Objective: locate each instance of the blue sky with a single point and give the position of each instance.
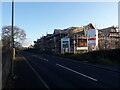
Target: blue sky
(37, 18)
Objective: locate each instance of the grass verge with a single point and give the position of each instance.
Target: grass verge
(111, 56)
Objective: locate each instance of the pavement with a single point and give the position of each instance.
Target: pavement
(46, 71)
(24, 76)
(0, 76)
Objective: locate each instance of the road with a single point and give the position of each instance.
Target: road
(57, 72)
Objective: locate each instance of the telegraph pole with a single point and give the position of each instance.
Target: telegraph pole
(12, 24)
(12, 37)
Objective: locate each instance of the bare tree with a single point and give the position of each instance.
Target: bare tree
(18, 35)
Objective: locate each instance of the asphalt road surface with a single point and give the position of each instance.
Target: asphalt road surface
(57, 72)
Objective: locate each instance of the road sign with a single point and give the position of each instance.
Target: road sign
(92, 39)
(65, 45)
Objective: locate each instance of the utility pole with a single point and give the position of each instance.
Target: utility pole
(12, 37)
(12, 24)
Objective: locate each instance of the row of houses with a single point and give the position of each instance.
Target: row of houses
(77, 40)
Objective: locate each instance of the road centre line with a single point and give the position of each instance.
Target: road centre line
(45, 59)
(36, 73)
(77, 72)
(40, 57)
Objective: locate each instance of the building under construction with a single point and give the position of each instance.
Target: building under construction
(109, 38)
(75, 40)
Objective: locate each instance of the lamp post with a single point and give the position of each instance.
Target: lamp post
(12, 38)
(12, 32)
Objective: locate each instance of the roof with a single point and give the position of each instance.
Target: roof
(109, 29)
(56, 31)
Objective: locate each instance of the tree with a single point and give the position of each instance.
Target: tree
(18, 35)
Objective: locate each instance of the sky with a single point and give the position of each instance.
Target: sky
(39, 18)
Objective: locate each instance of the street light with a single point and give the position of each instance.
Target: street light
(12, 32)
(12, 38)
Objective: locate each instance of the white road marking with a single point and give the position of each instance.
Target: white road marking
(77, 72)
(40, 57)
(45, 59)
(36, 73)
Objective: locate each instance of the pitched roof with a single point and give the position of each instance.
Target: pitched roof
(56, 31)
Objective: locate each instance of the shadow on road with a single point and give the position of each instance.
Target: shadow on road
(24, 76)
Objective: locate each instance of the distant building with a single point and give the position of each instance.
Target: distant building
(31, 46)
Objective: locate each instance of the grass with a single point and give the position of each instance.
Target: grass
(102, 56)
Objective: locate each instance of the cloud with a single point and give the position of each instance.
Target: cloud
(28, 41)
